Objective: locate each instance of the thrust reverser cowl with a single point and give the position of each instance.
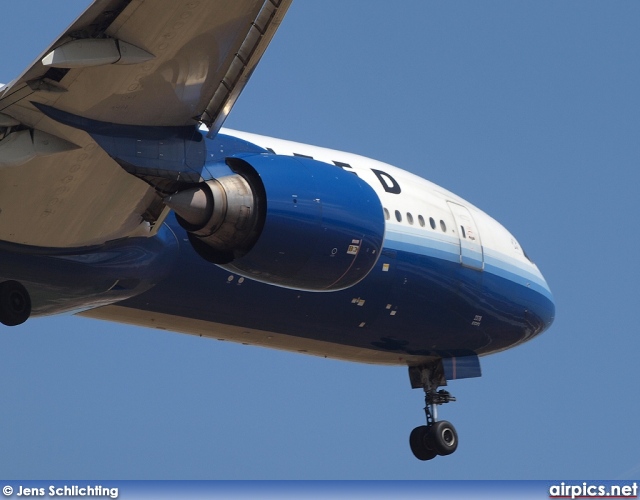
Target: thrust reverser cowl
(287, 221)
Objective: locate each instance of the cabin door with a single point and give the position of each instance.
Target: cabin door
(471, 254)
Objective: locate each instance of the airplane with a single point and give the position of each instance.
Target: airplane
(124, 199)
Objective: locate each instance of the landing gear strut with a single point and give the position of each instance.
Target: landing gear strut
(15, 303)
(437, 437)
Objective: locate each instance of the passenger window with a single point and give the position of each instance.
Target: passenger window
(398, 216)
(410, 218)
(432, 223)
(386, 214)
(421, 220)
(443, 226)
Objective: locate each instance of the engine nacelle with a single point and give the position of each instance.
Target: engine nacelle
(288, 221)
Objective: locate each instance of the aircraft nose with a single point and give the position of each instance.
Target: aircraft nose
(543, 308)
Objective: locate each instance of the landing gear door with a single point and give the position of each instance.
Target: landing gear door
(471, 254)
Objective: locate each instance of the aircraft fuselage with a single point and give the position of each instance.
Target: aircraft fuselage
(450, 281)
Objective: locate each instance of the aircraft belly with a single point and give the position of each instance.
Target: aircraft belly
(409, 309)
(63, 280)
(427, 307)
(248, 336)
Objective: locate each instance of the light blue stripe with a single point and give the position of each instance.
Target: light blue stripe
(421, 249)
(495, 263)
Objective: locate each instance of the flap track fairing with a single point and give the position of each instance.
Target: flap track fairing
(95, 52)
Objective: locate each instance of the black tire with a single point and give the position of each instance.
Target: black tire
(418, 440)
(443, 437)
(15, 303)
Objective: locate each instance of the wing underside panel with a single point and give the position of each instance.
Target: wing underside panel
(177, 63)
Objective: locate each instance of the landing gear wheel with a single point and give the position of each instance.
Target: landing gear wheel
(15, 303)
(437, 437)
(443, 437)
(418, 440)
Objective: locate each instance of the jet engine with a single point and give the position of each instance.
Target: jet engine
(288, 221)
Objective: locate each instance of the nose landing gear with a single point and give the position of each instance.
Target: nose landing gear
(15, 303)
(437, 437)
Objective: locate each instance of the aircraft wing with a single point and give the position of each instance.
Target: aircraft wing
(169, 63)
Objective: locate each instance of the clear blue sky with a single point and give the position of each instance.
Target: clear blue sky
(530, 110)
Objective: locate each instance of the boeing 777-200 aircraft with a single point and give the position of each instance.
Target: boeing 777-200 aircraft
(123, 199)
